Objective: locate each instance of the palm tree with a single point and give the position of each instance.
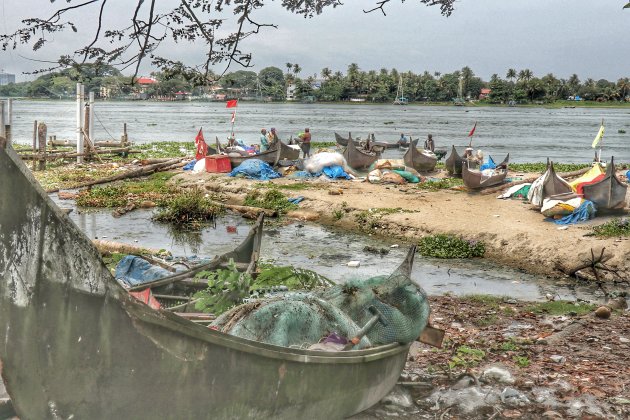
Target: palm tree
(326, 73)
(623, 85)
(525, 75)
(510, 75)
(296, 69)
(289, 67)
(437, 74)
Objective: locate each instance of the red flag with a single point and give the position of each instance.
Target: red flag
(233, 117)
(202, 147)
(232, 103)
(473, 130)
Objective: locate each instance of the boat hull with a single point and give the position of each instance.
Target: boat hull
(76, 344)
(358, 159)
(454, 162)
(419, 161)
(473, 179)
(609, 194)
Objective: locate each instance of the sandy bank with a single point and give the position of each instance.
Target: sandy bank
(515, 233)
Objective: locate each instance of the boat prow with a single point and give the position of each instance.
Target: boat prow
(609, 193)
(75, 344)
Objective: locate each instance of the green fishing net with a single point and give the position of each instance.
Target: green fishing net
(301, 319)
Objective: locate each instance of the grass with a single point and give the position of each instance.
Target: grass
(442, 184)
(189, 209)
(153, 188)
(560, 307)
(613, 228)
(466, 357)
(450, 246)
(271, 199)
(296, 186)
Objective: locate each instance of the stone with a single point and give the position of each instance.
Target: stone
(556, 358)
(618, 303)
(513, 398)
(624, 340)
(603, 312)
(147, 204)
(497, 374)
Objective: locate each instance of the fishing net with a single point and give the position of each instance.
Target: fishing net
(302, 319)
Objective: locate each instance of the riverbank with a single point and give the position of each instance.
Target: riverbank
(514, 233)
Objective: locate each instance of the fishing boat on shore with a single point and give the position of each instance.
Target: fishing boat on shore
(474, 178)
(454, 162)
(358, 158)
(287, 151)
(271, 156)
(76, 344)
(609, 193)
(547, 185)
(421, 161)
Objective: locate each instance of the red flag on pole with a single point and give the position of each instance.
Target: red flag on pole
(473, 130)
(202, 147)
(233, 117)
(232, 103)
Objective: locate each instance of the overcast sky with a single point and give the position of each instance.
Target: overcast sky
(586, 37)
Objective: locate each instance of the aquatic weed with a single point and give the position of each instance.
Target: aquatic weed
(450, 246)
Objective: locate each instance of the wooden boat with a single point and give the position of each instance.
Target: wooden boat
(548, 185)
(609, 193)
(271, 156)
(76, 344)
(473, 178)
(343, 141)
(420, 161)
(454, 162)
(358, 159)
(287, 152)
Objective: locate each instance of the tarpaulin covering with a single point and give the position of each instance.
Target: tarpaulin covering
(588, 177)
(488, 165)
(335, 171)
(255, 169)
(133, 270)
(583, 213)
(146, 297)
(516, 191)
(552, 208)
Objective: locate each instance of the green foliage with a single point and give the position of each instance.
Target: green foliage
(560, 307)
(466, 357)
(613, 228)
(189, 209)
(542, 166)
(154, 189)
(449, 246)
(509, 345)
(338, 214)
(165, 149)
(522, 361)
(292, 277)
(441, 184)
(271, 199)
(226, 288)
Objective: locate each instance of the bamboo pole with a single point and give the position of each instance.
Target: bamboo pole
(34, 143)
(80, 93)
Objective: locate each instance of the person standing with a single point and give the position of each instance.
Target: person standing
(306, 143)
(428, 143)
(272, 138)
(264, 143)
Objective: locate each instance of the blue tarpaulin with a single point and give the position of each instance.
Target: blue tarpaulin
(255, 169)
(335, 172)
(583, 213)
(488, 165)
(190, 165)
(133, 270)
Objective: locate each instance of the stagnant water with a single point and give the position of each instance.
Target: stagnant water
(327, 252)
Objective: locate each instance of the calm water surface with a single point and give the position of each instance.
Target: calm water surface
(528, 134)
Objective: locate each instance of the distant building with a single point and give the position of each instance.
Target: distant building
(485, 92)
(6, 78)
(291, 91)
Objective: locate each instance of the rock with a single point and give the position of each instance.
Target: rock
(310, 216)
(603, 312)
(497, 374)
(556, 358)
(399, 397)
(147, 205)
(335, 192)
(618, 303)
(511, 301)
(624, 340)
(394, 246)
(513, 398)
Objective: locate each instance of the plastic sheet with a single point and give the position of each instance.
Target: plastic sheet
(255, 169)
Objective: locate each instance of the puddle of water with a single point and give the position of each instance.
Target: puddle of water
(327, 252)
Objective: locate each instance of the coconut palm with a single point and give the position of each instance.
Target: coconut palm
(326, 73)
(510, 75)
(525, 75)
(296, 69)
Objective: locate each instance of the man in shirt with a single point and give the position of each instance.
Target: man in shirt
(306, 143)
(264, 144)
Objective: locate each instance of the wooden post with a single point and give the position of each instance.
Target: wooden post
(90, 129)
(80, 93)
(41, 138)
(2, 126)
(9, 122)
(87, 141)
(34, 143)
(124, 140)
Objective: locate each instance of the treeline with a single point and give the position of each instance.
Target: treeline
(519, 86)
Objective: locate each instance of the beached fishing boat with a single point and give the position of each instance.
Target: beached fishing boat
(421, 161)
(286, 151)
(236, 158)
(474, 178)
(76, 344)
(609, 193)
(547, 185)
(454, 162)
(357, 158)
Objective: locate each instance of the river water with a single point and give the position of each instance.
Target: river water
(327, 252)
(528, 134)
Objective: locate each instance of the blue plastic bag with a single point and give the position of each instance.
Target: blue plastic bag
(255, 169)
(335, 172)
(190, 165)
(488, 165)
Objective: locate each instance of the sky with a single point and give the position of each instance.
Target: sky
(560, 36)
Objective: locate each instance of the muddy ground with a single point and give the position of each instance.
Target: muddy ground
(507, 359)
(515, 233)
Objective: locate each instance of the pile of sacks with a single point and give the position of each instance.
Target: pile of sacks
(392, 171)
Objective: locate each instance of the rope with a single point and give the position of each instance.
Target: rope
(102, 125)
